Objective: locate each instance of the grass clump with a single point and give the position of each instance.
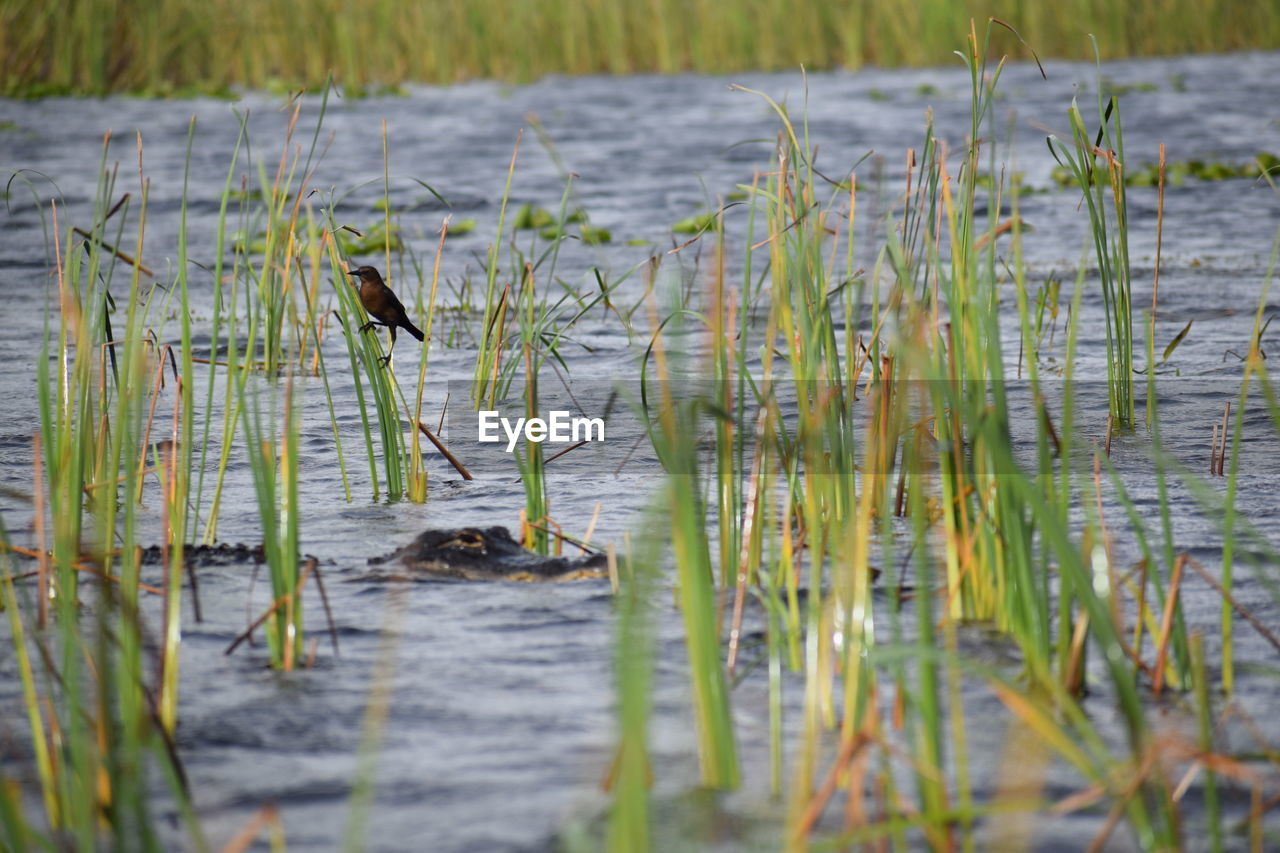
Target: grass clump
(868, 420)
(1087, 156)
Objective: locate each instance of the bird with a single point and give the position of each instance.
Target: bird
(383, 306)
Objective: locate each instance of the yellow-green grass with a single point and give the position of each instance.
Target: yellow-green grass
(176, 46)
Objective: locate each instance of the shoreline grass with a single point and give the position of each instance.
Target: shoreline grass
(182, 47)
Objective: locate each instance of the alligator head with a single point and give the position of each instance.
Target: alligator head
(487, 553)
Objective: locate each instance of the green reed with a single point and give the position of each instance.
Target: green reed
(273, 461)
(365, 354)
(1109, 225)
(1255, 373)
(531, 461)
(1204, 719)
(629, 826)
(525, 325)
(219, 261)
(673, 422)
(119, 437)
(417, 470)
(272, 320)
(176, 46)
(496, 305)
(102, 710)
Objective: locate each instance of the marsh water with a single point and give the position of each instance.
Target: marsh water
(500, 727)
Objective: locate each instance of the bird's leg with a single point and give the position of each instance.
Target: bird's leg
(386, 359)
(367, 326)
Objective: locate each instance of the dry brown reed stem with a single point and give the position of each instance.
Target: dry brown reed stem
(444, 451)
(285, 601)
(560, 453)
(1166, 623)
(612, 561)
(591, 525)
(170, 486)
(1122, 800)
(849, 749)
(1049, 427)
(1001, 229)
(328, 611)
(79, 566)
(151, 414)
(744, 550)
(42, 571)
(256, 364)
(1237, 606)
(1255, 819)
(1079, 800)
(906, 208)
(1222, 448)
(551, 528)
(855, 813)
(938, 837)
(267, 816)
(112, 249)
(1214, 763)
(500, 319)
(863, 356)
(1073, 677)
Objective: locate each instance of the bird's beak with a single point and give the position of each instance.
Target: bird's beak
(353, 272)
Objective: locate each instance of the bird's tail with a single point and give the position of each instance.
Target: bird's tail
(413, 330)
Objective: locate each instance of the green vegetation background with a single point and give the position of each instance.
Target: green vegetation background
(160, 47)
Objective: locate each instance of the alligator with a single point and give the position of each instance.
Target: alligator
(485, 554)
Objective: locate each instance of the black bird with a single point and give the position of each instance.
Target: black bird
(383, 306)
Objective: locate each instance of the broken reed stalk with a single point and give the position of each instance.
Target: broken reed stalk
(445, 452)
